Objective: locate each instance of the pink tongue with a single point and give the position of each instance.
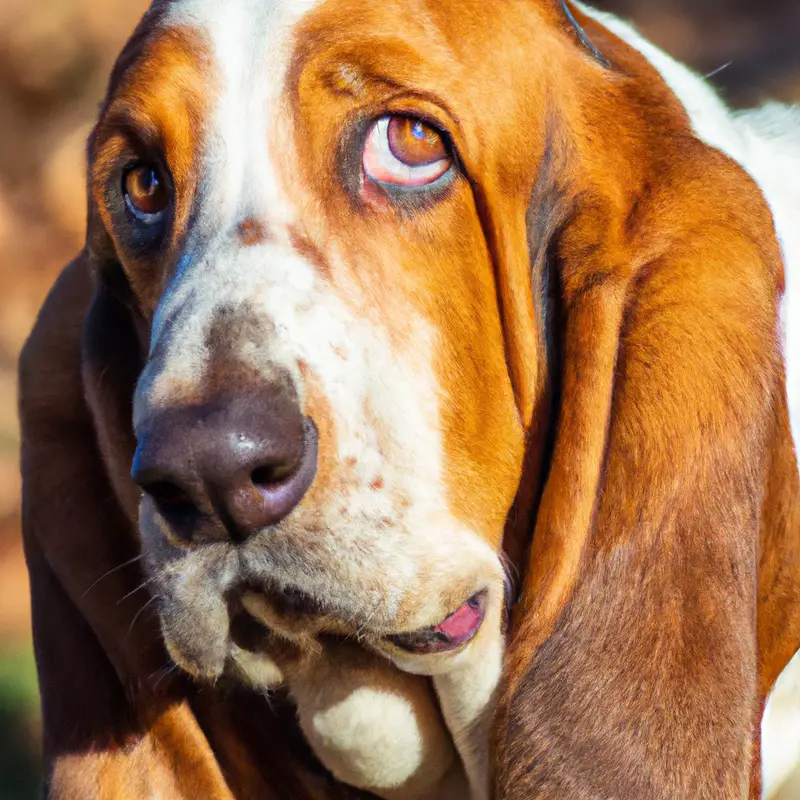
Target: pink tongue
(461, 624)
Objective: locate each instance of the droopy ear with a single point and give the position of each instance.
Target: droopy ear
(74, 516)
(530, 298)
(632, 668)
(113, 724)
(636, 625)
(80, 507)
(80, 547)
(114, 346)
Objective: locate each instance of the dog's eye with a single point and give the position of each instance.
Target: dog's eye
(405, 151)
(147, 191)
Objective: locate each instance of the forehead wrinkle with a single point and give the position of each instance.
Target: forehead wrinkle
(359, 74)
(126, 117)
(363, 61)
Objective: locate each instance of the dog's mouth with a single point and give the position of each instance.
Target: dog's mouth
(453, 632)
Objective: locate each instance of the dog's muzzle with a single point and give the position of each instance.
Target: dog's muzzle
(229, 467)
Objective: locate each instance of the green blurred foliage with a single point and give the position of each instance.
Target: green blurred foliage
(19, 706)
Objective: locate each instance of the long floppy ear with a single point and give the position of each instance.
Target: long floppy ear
(632, 668)
(81, 555)
(73, 389)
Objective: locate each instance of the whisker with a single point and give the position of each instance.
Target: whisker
(360, 631)
(140, 612)
(112, 571)
(165, 673)
(509, 566)
(718, 70)
(137, 589)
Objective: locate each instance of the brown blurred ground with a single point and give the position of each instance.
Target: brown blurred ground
(54, 59)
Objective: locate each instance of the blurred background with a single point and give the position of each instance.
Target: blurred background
(55, 56)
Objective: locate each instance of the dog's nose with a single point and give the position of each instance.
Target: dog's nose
(227, 468)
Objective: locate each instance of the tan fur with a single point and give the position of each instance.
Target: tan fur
(570, 352)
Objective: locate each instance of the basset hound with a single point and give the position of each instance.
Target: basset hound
(382, 303)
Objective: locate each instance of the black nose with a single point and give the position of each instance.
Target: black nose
(227, 468)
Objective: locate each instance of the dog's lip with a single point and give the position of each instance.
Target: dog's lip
(452, 633)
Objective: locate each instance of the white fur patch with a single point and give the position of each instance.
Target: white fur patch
(374, 737)
(772, 137)
(780, 735)
(251, 41)
(367, 726)
(371, 556)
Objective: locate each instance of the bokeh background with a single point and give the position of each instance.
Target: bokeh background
(54, 59)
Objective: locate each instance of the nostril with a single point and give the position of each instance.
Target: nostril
(236, 474)
(271, 474)
(170, 498)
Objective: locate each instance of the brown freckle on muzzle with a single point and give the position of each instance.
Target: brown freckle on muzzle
(317, 407)
(251, 232)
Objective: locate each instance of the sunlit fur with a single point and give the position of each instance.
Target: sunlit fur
(766, 142)
(374, 541)
(582, 318)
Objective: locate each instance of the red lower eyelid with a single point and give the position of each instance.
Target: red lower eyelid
(373, 166)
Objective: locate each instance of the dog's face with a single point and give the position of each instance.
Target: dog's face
(299, 196)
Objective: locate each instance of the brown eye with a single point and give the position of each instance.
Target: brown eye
(415, 143)
(405, 151)
(147, 190)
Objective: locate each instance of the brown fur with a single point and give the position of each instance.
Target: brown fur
(660, 589)
(634, 667)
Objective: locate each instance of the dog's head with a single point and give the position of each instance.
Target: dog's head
(321, 213)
